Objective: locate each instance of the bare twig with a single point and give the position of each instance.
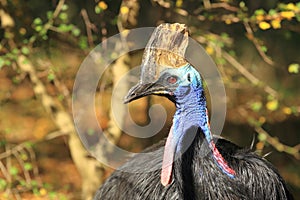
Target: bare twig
(55, 134)
(5, 172)
(163, 3)
(11, 151)
(207, 4)
(248, 75)
(58, 8)
(22, 164)
(35, 168)
(294, 151)
(89, 26)
(254, 40)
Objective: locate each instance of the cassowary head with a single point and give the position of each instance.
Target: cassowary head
(167, 84)
(166, 72)
(164, 67)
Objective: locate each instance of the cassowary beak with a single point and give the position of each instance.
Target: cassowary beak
(144, 89)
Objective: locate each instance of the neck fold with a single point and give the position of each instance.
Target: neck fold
(191, 111)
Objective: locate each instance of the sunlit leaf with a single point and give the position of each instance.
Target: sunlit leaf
(294, 68)
(276, 23)
(209, 50)
(264, 25)
(287, 110)
(259, 17)
(292, 6)
(43, 191)
(287, 14)
(179, 3)
(272, 105)
(102, 5)
(124, 10)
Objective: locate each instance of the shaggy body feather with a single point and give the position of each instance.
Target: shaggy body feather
(199, 178)
(201, 171)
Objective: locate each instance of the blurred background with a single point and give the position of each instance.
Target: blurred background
(255, 45)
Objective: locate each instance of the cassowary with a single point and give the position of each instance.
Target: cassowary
(193, 164)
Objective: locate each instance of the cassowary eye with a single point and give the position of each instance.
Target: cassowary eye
(189, 77)
(172, 79)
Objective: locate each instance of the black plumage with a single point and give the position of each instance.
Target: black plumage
(196, 177)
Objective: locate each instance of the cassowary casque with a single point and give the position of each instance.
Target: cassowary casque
(193, 164)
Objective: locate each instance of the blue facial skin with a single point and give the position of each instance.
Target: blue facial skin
(190, 103)
(191, 107)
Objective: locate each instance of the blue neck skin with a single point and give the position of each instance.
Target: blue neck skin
(191, 111)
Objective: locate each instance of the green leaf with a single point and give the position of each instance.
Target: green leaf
(83, 44)
(60, 97)
(45, 37)
(63, 16)
(49, 14)
(65, 27)
(28, 166)
(37, 21)
(272, 12)
(25, 50)
(264, 48)
(15, 51)
(51, 77)
(298, 17)
(23, 183)
(13, 171)
(3, 184)
(256, 106)
(262, 137)
(38, 28)
(76, 32)
(98, 10)
(7, 62)
(64, 7)
(260, 12)
(29, 144)
(242, 4)
(34, 183)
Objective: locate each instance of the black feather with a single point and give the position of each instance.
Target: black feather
(196, 176)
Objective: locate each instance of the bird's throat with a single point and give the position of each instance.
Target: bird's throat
(191, 111)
